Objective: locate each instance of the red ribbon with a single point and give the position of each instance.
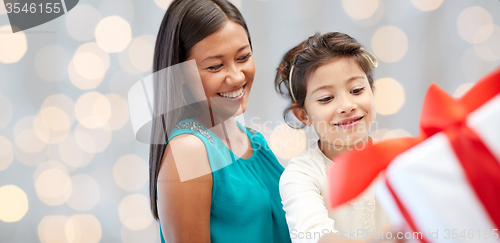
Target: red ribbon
(351, 174)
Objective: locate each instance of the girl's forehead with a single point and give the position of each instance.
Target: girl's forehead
(338, 73)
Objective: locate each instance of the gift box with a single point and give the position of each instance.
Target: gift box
(444, 184)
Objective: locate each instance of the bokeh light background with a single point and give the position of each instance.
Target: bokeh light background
(70, 169)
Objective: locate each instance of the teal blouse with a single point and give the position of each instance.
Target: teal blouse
(246, 204)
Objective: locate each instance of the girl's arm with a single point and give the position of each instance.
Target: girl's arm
(184, 207)
(304, 206)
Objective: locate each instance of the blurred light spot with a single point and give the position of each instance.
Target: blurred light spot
(55, 118)
(89, 65)
(134, 212)
(113, 34)
(13, 203)
(95, 49)
(2, 9)
(93, 110)
(92, 78)
(85, 194)
(51, 229)
(475, 24)
(47, 135)
(82, 30)
(84, 228)
(490, 48)
(122, 8)
(378, 135)
(475, 67)
(236, 3)
(5, 110)
(93, 140)
(426, 5)
(119, 112)
(397, 133)
(31, 159)
(50, 164)
(62, 102)
(12, 46)
(287, 142)
(130, 172)
(462, 89)
(141, 52)
(6, 153)
(53, 186)
(29, 142)
(485, 53)
(374, 18)
(303, 9)
(126, 64)
(360, 9)
(390, 44)
(48, 62)
(81, 82)
(163, 3)
(389, 96)
(72, 154)
(149, 235)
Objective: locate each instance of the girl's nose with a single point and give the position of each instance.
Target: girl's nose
(346, 104)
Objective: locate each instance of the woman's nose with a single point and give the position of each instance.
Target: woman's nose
(235, 75)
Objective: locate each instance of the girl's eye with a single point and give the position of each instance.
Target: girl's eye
(215, 68)
(357, 91)
(244, 57)
(325, 100)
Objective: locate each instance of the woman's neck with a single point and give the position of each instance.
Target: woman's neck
(331, 150)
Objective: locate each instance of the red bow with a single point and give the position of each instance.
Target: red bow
(440, 113)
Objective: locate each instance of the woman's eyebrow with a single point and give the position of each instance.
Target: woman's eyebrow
(219, 56)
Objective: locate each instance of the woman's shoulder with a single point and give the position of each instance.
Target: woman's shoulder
(191, 126)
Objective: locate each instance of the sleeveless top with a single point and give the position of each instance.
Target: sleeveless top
(246, 204)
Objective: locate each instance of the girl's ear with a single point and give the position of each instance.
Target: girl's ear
(301, 114)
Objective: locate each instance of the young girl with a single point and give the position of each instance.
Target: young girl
(328, 79)
(208, 183)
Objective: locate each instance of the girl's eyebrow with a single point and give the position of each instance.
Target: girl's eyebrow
(219, 56)
(330, 86)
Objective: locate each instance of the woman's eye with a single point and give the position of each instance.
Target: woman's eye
(326, 99)
(357, 91)
(244, 57)
(215, 68)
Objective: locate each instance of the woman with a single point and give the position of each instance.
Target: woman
(213, 180)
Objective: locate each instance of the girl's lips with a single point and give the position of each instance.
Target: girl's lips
(349, 123)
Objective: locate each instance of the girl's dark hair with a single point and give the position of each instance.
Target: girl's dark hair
(185, 23)
(309, 55)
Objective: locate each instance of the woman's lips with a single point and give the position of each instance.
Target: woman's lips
(239, 97)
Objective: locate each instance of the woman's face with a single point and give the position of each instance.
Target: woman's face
(340, 102)
(226, 67)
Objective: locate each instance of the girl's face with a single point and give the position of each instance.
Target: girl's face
(226, 67)
(339, 103)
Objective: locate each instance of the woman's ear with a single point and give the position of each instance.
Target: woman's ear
(301, 115)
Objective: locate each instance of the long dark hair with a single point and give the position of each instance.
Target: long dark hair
(185, 23)
(308, 56)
